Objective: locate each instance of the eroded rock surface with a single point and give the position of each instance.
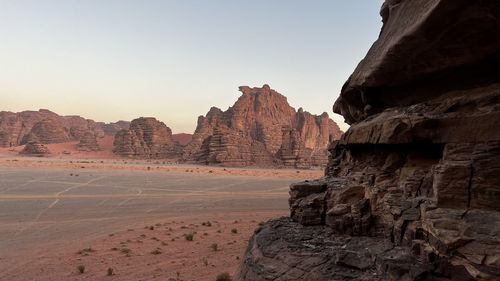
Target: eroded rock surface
(46, 127)
(88, 142)
(418, 170)
(261, 128)
(35, 149)
(146, 138)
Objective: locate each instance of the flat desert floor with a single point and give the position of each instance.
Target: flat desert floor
(135, 219)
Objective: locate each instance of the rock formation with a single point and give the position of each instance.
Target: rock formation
(412, 189)
(146, 138)
(261, 128)
(88, 142)
(34, 148)
(47, 131)
(182, 138)
(112, 128)
(46, 127)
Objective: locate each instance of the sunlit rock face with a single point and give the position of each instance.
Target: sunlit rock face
(262, 129)
(146, 138)
(44, 126)
(412, 189)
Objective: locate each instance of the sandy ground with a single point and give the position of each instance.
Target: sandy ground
(61, 212)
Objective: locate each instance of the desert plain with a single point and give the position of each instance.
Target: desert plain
(123, 219)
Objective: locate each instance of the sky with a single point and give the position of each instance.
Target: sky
(112, 60)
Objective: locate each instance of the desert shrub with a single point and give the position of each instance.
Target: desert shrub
(110, 271)
(214, 247)
(156, 251)
(86, 251)
(189, 236)
(234, 231)
(126, 250)
(81, 268)
(224, 277)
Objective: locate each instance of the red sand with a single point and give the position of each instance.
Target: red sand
(136, 252)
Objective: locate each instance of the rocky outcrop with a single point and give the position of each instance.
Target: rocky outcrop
(261, 128)
(33, 148)
(182, 138)
(88, 143)
(48, 131)
(146, 138)
(46, 127)
(112, 128)
(411, 190)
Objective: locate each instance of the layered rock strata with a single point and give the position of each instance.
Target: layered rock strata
(45, 126)
(261, 128)
(88, 142)
(412, 189)
(35, 149)
(146, 138)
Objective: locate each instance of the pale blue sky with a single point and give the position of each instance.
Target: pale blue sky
(119, 59)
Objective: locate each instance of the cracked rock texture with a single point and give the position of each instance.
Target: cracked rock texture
(146, 138)
(262, 129)
(412, 190)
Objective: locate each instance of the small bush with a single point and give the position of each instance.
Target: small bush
(224, 277)
(86, 251)
(156, 251)
(189, 236)
(126, 250)
(110, 271)
(214, 247)
(81, 268)
(234, 231)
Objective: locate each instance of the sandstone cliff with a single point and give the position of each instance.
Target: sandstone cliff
(261, 128)
(88, 142)
(146, 138)
(412, 189)
(45, 126)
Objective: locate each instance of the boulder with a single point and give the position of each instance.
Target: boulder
(35, 149)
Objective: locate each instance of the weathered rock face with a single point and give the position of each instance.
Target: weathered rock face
(33, 148)
(47, 131)
(146, 138)
(182, 138)
(44, 126)
(261, 128)
(412, 189)
(111, 129)
(88, 142)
